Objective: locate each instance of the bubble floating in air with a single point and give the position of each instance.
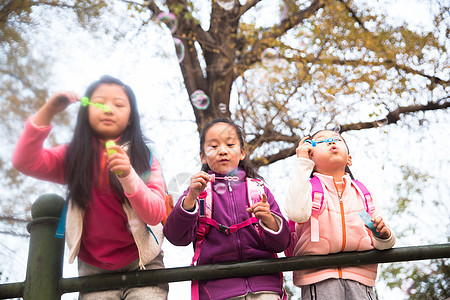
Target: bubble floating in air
(328, 96)
(269, 57)
(220, 188)
(226, 4)
(200, 100)
(382, 122)
(179, 49)
(223, 108)
(283, 9)
(334, 127)
(319, 77)
(304, 37)
(169, 20)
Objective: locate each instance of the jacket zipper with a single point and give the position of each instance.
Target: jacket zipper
(344, 237)
(238, 236)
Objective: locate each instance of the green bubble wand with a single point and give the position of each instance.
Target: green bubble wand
(85, 101)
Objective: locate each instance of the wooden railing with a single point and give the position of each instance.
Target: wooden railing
(45, 262)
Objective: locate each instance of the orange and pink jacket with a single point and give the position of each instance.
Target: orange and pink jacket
(340, 227)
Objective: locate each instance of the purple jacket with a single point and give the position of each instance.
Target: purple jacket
(246, 244)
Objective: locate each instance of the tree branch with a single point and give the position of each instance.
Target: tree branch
(391, 118)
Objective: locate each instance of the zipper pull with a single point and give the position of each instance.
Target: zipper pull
(229, 187)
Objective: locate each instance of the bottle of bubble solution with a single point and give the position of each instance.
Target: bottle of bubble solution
(111, 152)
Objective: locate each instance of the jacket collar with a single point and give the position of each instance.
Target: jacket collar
(328, 181)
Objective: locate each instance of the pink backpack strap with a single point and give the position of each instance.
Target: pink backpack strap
(255, 189)
(367, 197)
(317, 203)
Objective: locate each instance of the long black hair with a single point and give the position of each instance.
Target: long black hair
(82, 154)
(244, 164)
(347, 168)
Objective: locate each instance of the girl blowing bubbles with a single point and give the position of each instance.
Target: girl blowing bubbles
(232, 233)
(340, 228)
(107, 213)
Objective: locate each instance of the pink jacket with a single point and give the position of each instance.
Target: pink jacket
(340, 227)
(147, 200)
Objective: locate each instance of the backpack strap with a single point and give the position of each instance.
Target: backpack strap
(62, 220)
(317, 203)
(367, 197)
(255, 189)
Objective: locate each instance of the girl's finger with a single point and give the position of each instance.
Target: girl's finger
(264, 198)
(302, 141)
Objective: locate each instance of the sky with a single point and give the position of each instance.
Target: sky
(149, 65)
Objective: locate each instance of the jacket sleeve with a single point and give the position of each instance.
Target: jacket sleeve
(298, 203)
(30, 158)
(181, 225)
(275, 241)
(148, 200)
(379, 243)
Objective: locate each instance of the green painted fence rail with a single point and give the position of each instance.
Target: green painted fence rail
(45, 260)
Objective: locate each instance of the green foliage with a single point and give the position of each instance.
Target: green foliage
(425, 279)
(430, 280)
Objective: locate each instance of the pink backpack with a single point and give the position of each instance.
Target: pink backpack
(317, 199)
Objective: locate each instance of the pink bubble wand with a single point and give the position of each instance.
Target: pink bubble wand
(213, 177)
(85, 101)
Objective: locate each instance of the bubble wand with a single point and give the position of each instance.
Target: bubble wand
(85, 101)
(111, 152)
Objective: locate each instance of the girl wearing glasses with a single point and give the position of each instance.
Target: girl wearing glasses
(332, 223)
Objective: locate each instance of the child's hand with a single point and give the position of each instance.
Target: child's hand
(118, 162)
(305, 150)
(60, 100)
(56, 104)
(384, 231)
(261, 210)
(198, 184)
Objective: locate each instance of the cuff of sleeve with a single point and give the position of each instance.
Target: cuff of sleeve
(131, 182)
(383, 244)
(31, 120)
(190, 211)
(279, 222)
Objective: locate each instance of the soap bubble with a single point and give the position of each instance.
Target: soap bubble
(305, 37)
(169, 20)
(357, 72)
(223, 108)
(382, 122)
(319, 77)
(220, 188)
(281, 65)
(226, 4)
(283, 9)
(334, 127)
(178, 184)
(327, 96)
(179, 49)
(269, 57)
(200, 100)
(209, 151)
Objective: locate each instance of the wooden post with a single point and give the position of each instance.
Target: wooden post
(45, 256)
